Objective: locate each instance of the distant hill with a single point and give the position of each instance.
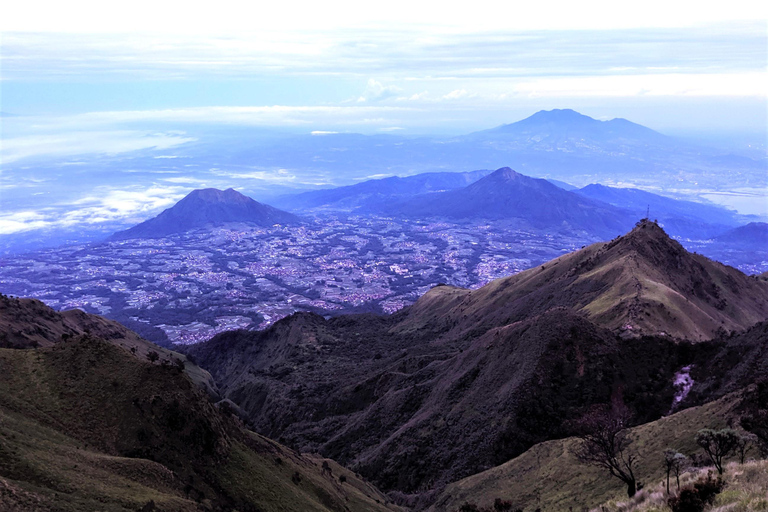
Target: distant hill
(752, 236)
(377, 192)
(506, 194)
(564, 125)
(680, 218)
(563, 185)
(88, 425)
(208, 207)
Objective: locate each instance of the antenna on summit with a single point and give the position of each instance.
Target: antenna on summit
(648, 213)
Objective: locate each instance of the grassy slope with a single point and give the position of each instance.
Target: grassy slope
(549, 476)
(26, 323)
(746, 490)
(62, 434)
(641, 283)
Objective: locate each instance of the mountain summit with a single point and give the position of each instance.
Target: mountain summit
(640, 283)
(506, 194)
(208, 207)
(567, 123)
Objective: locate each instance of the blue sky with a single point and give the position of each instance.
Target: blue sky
(431, 67)
(88, 77)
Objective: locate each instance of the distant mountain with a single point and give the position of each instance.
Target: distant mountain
(563, 185)
(753, 236)
(378, 192)
(208, 207)
(506, 194)
(566, 125)
(680, 218)
(119, 432)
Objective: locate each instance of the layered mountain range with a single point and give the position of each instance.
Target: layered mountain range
(466, 379)
(505, 194)
(95, 418)
(436, 404)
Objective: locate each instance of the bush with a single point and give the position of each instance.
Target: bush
(502, 505)
(695, 498)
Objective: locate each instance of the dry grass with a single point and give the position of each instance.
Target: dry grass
(746, 490)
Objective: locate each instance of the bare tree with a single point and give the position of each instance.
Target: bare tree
(674, 462)
(605, 444)
(745, 442)
(718, 444)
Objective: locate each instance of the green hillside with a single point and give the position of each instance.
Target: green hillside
(84, 425)
(549, 477)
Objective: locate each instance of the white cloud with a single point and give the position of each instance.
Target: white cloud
(177, 16)
(376, 91)
(676, 84)
(84, 142)
(104, 206)
(276, 115)
(456, 94)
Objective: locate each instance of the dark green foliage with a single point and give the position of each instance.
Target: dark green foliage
(718, 444)
(499, 505)
(698, 496)
(755, 418)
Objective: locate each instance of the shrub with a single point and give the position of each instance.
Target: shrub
(695, 498)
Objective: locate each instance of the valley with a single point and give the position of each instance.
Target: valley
(192, 285)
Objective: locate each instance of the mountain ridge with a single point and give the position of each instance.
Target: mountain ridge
(426, 395)
(87, 424)
(641, 283)
(507, 194)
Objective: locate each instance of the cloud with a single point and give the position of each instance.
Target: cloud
(275, 115)
(671, 84)
(18, 222)
(456, 94)
(104, 206)
(376, 91)
(85, 142)
(416, 51)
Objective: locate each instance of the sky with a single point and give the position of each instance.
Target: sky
(94, 77)
(410, 67)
